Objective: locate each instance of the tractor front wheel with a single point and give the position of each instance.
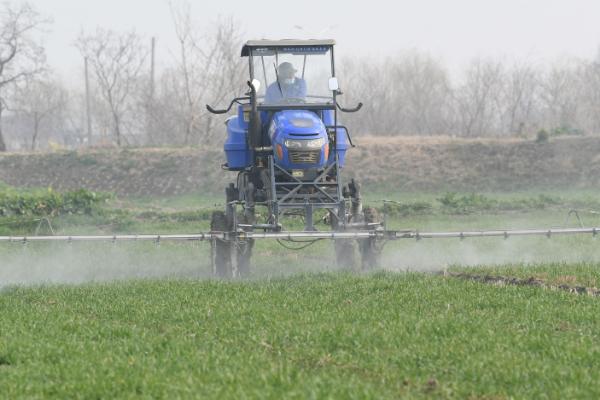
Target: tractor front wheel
(221, 250)
(344, 253)
(344, 248)
(369, 249)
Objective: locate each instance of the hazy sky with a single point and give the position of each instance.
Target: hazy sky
(453, 30)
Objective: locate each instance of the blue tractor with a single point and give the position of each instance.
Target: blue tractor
(288, 148)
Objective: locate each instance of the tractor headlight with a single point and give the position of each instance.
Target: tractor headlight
(293, 144)
(315, 143)
(304, 144)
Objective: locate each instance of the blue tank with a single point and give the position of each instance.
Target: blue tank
(239, 156)
(341, 139)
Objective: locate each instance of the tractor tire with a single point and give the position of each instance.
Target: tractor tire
(344, 253)
(221, 250)
(244, 252)
(369, 251)
(344, 248)
(265, 178)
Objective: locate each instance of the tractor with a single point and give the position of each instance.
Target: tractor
(288, 149)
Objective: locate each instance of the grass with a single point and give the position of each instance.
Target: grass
(324, 336)
(292, 330)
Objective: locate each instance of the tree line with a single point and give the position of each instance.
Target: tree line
(414, 94)
(122, 99)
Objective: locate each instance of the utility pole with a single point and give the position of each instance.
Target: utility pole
(152, 70)
(150, 100)
(87, 102)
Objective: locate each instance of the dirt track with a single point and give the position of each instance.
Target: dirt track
(531, 281)
(430, 164)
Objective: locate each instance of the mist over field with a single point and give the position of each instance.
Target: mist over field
(32, 264)
(76, 263)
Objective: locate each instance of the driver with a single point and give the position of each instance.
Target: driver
(288, 86)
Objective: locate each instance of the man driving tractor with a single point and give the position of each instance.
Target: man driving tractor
(287, 86)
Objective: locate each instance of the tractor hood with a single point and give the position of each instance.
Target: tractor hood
(299, 140)
(297, 123)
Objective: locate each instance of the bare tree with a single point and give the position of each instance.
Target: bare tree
(366, 81)
(520, 91)
(21, 55)
(559, 96)
(39, 103)
(477, 98)
(425, 87)
(69, 122)
(117, 61)
(404, 94)
(208, 70)
(589, 95)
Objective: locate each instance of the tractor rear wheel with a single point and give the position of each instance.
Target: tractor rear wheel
(369, 250)
(221, 250)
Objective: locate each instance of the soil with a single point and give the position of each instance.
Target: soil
(388, 163)
(531, 281)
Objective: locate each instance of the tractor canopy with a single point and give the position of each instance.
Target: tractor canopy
(293, 74)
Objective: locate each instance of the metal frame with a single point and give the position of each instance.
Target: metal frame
(291, 193)
(284, 43)
(242, 235)
(298, 44)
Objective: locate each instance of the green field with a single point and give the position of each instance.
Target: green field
(147, 321)
(313, 336)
